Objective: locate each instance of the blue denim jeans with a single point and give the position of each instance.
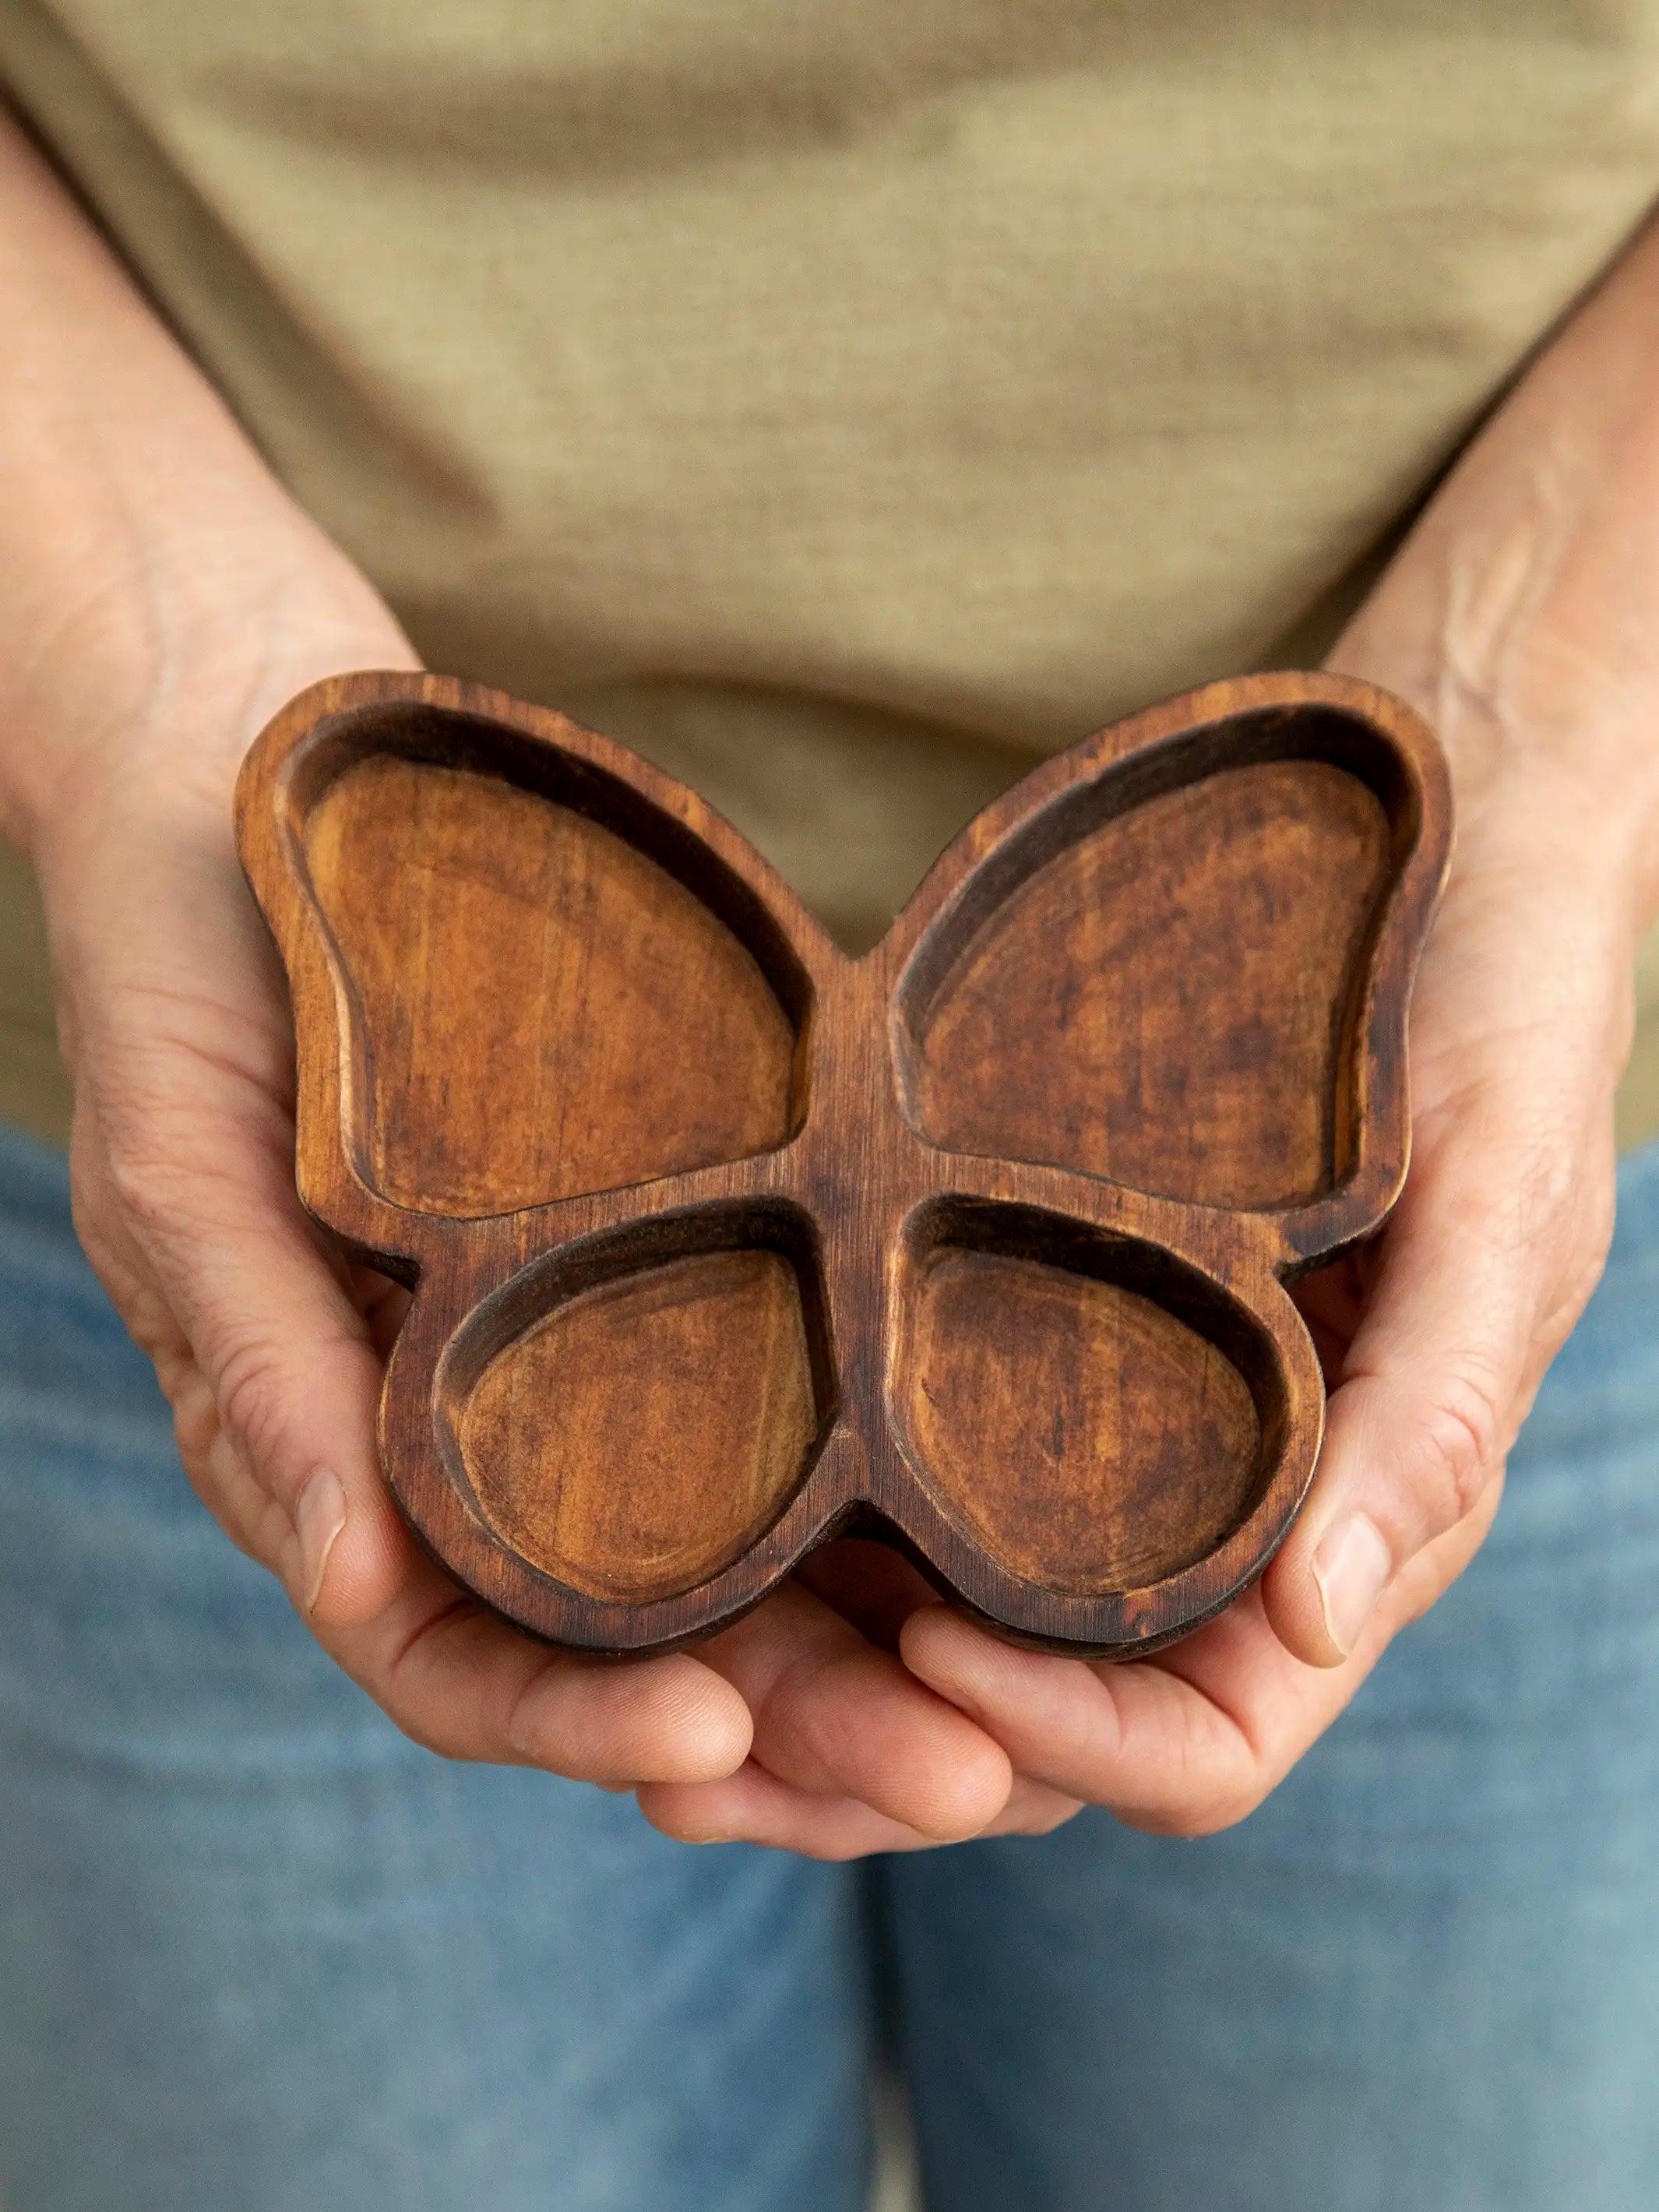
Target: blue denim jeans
(258, 1954)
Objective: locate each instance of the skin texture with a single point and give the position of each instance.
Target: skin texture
(164, 596)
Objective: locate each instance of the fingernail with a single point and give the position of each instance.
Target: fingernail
(1351, 1567)
(317, 1519)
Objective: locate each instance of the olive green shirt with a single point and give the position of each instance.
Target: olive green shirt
(848, 401)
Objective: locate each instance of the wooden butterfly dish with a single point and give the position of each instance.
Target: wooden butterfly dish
(722, 1241)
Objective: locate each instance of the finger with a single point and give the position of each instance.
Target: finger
(1147, 1745)
(754, 1806)
(1466, 1310)
(260, 1517)
(1186, 1742)
(836, 1717)
(465, 1683)
(1495, 1245)
(292, 1378)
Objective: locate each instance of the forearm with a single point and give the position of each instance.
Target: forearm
(148, 556)
(1523, 614)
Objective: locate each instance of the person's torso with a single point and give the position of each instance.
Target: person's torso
(846, 403)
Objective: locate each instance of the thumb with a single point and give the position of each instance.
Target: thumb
(1480, 1274)
(275, 1398)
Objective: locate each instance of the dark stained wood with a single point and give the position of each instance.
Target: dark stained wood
(1087, 1436)
(641, 1493)
(479, 926)
(1145, 966)
(722, 1241)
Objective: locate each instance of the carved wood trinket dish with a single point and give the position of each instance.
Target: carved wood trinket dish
(722, 1241)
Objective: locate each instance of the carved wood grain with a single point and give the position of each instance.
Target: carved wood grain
(721, 1241)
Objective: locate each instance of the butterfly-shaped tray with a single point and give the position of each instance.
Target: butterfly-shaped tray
(721, 1241)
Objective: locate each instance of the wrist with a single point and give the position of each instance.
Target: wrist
(1564, 793)
(1538, 932)
(147, 703)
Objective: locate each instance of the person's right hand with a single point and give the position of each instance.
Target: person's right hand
(175, 1022)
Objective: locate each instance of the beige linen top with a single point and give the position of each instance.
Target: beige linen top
(848, 401)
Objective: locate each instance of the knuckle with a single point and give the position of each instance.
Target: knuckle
(196, 1422)
(1597, 1241)
(1588, 1246)
(1459, 1437)
(161, 1165)
(143, 1185)
(252, 1401)
(1547, 1188)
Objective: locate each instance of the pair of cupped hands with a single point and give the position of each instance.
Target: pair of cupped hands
(852, 1711)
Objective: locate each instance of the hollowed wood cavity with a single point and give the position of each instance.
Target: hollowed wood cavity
(636, 1438)
(542, 1008)
(1170, 998)
(1091, 1438)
